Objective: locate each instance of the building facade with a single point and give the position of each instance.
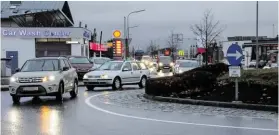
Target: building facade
(32, 29)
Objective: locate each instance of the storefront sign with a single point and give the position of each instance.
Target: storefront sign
(46, 33)
(97, 47)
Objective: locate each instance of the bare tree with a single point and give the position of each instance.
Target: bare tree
(151, 47)
(207, 30)
(173, 42)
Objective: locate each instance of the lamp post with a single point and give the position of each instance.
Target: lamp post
(128, 34)
(257, 38)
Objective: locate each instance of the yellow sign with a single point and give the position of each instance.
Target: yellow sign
(116, 34)
(181, 52)
(109, 44)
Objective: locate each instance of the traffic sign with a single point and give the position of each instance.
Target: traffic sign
(234, 71)
(234, 55)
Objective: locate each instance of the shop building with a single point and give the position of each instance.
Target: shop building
(32, 29)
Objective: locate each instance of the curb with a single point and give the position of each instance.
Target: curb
(213, 103)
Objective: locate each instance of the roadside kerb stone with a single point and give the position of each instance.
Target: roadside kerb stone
(214, 103)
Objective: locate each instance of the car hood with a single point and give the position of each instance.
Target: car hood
(35, 74)
(96, 66)
(102, 72)
(85, 66)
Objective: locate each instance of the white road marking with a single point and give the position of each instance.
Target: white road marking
(87, 101)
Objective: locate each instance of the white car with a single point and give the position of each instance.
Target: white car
(185, 65)
(49, 76)
(117, 74)
(98, 61)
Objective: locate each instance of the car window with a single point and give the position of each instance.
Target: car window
(69, 64)
(111, 66)
(66, 63)
(127, 65)
(142, 66)
(62, 64)
(135, 66)
(79, 60)
(40, 65)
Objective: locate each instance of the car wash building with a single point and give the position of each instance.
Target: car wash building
(32, 29)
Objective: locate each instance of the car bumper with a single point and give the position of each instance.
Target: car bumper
(97, 82)
(42, 89)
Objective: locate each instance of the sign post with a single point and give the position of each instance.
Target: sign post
(234, 57)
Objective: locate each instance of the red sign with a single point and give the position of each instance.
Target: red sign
(97, 47)
(201, 50)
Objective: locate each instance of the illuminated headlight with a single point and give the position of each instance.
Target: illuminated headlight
(180, 71)
(85, 77)
(49, 78)
(171, 64)
(160, 64)
(13, 79)
(151, 69)
(104, 76)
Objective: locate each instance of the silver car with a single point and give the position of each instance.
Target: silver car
(185, 65)
(117, 74)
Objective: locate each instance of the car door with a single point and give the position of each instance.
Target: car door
(126, 75)
(136, 72)
(65, 75)
(70, 74)
(143, 70)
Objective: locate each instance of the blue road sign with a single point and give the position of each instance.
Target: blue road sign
(234, 55)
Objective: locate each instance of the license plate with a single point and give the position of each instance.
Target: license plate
(93, 80)
(30, 88)
(166, 67)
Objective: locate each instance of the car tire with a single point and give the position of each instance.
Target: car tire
(59, 96)
(16, 99)
(90, 87)
(116, 85)
(74, 92)
(142, 82)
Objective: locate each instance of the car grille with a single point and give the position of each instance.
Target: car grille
(92, 76)
(30, 80)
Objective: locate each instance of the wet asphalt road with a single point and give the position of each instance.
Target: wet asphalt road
(126, 112)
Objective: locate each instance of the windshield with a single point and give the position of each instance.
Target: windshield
(111, 66)
(188, 64)
(146, 58)
(100, 61)
(165, 60)
(40, 65)
(79, 60)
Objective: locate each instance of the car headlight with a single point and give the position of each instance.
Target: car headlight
(180, 71)
(85, 77)
(160, 64)
(172, 64)
(49, 78)
(13, 79)
(104, 76)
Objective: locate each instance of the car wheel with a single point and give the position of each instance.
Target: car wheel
(142, 83)
(116, 84)
(90, 87)
(59, 96)
(74, 92)
(16, 99)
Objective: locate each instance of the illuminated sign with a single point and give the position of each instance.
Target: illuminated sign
(97, 47)
(181, 52)
(117, 48)
(116, 34)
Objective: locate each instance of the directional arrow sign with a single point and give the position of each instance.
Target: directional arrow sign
(234, 55)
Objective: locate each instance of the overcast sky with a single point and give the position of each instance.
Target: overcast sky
(160, 18)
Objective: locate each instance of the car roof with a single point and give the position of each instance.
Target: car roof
(45, 58)
(68, 56)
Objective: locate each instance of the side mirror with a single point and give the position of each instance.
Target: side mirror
(125, 69)
(65, 68)
(17, 70)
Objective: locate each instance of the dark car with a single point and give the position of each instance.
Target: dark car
(82, 65)
(165, 63)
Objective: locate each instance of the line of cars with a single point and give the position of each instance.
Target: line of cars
(55, 76)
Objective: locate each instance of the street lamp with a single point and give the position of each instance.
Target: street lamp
(128, 27)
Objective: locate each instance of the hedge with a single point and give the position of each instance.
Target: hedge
(213, 83)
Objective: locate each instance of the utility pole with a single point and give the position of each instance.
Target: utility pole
(257, 38)
(100, 43)
(125, 37)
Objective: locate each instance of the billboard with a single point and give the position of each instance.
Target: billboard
(97, 47)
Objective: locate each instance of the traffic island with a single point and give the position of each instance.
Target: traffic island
(211, 85)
